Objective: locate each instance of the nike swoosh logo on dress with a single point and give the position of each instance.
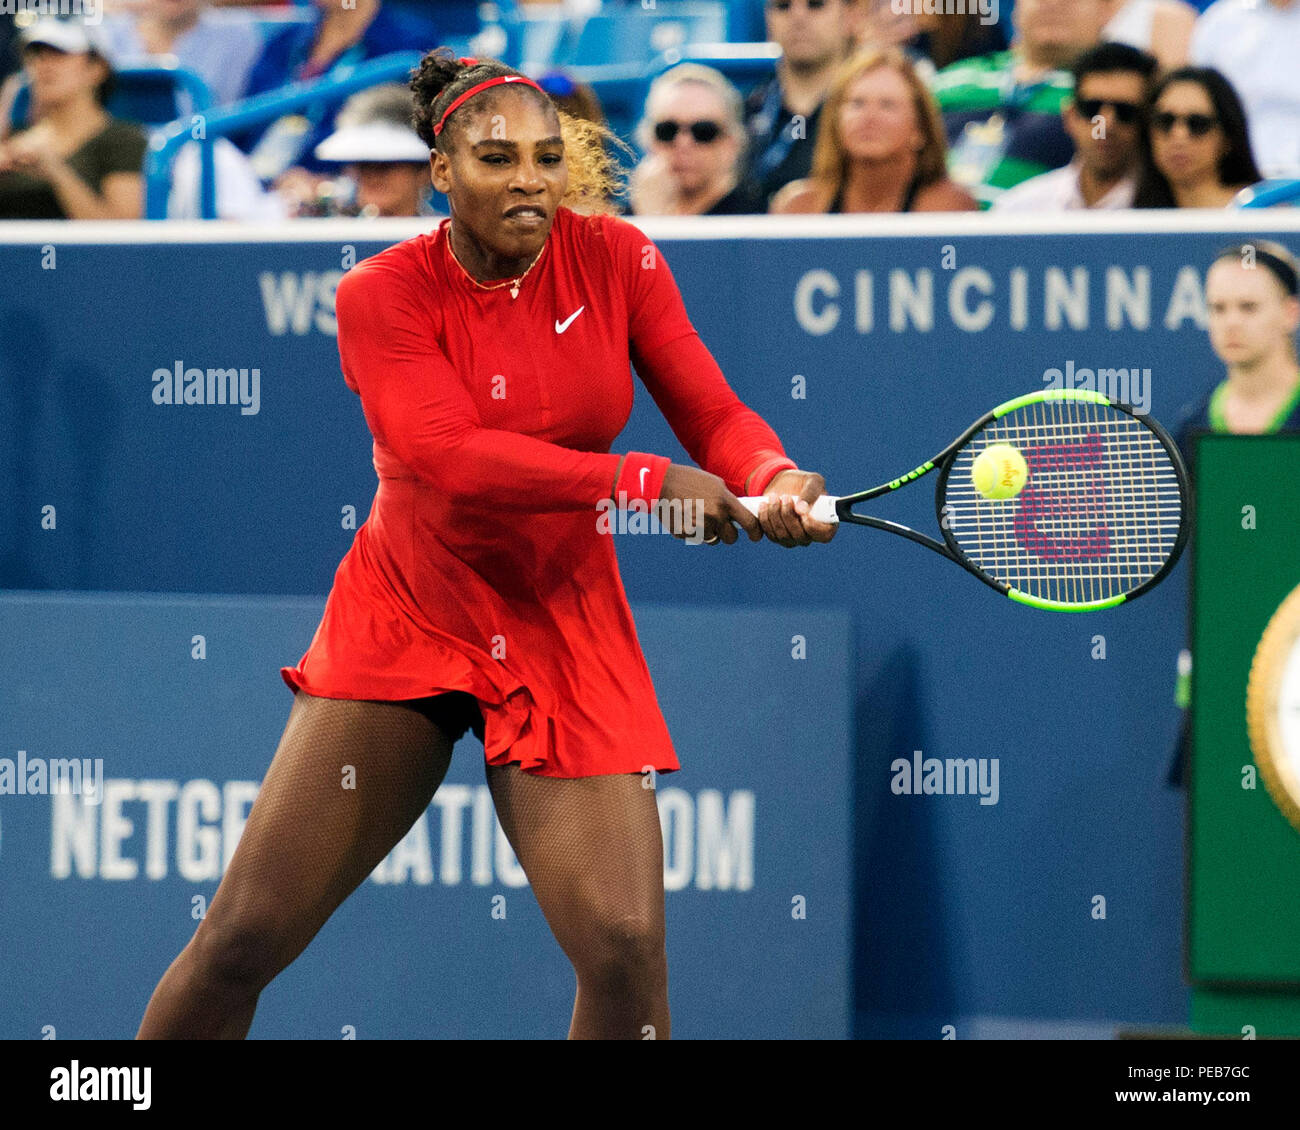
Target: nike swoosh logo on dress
(560, 327)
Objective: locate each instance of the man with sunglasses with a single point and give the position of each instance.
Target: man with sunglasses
(782, 114)
(1103, 119)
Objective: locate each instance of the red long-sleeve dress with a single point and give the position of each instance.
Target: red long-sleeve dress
(482, 566)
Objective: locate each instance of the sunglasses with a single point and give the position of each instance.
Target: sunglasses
(1125, 112)
(786, 5)
(703, 132)
(1198, 125)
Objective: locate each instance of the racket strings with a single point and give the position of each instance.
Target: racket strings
(1098, 516)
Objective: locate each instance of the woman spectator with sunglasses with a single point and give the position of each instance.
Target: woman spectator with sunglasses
(1196, 149)
(694, 137)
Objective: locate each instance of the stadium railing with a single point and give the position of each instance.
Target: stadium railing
(1272, 193)
(168, 140)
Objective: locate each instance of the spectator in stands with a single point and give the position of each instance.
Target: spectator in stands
(932, 40)
(1003, 111)
(73, 160)
(1256, 44)
(382, 154)
(783, 113)
(1195, 150)
(1104, 119)
(341, 37)
(693, 131)
(1161, 27)
(880, 145)
(220, 51)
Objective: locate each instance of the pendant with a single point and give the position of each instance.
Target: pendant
(514, 290)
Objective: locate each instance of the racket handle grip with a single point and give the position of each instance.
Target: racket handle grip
(823, 510)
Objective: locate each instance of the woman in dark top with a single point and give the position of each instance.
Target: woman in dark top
(1251, 296)
(880, 146)
(693, 133)
(73, 160)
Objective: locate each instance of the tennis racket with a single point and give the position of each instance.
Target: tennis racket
(1101, 518)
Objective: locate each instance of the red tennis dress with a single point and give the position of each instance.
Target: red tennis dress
(484, 565)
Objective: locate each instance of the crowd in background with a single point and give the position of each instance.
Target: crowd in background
(1056, 105)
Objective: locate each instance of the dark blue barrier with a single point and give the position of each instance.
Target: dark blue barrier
(897, 335)
(445, 939)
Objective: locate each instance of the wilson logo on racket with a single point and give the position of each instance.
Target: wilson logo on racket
(1065, 521)
(1101, 518)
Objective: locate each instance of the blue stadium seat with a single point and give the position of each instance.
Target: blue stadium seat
(454, 18)
(534, 40)
(635, 35)
(746, 22)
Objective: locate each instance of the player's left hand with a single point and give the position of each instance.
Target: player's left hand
(786, 515)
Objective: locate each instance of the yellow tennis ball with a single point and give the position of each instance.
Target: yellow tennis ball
(999, 471)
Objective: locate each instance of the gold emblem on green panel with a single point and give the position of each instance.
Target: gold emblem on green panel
(1273, 707)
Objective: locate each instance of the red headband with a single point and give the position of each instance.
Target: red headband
(473, 90)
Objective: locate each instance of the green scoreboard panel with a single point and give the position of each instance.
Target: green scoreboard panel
(1243, 866)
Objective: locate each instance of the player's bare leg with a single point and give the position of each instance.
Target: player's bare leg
(347, 782)
(593, 853)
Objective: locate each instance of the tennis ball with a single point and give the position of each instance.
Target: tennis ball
(999, 471)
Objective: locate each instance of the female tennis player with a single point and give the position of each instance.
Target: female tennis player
(492, 361)
(1252, 296)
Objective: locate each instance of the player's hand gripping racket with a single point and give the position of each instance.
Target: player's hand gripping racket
(1089, 508)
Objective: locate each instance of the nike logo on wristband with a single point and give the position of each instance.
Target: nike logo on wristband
(560, 327)
(644, 470)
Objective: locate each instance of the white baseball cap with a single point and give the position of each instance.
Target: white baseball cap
(373, 141)
(68, 36)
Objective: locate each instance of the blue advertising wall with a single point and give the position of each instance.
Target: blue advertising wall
(867, 344)
(98, 893)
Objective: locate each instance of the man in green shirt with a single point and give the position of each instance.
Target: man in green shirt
(1002, 112)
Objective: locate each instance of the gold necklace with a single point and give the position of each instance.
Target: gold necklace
(513, 284)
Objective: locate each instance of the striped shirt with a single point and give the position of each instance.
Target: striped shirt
(1001, 132)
